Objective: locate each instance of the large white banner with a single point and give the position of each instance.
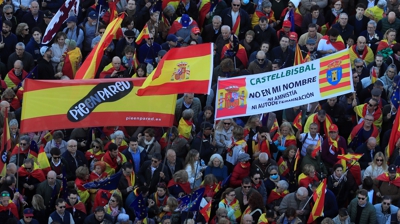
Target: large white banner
(285, 88)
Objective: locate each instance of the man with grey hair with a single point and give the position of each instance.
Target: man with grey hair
(247, 219)
(21, 54)
(8, 15)
(223, 38)
(21, 151)
(297, 200)
(15, 76)
(46, 189)
(213, 30)
(372, 35)
(261, 165)
(188, 101)
(74, 157)
(344, 28)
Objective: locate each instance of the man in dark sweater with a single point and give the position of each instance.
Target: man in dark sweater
(45, 69)
(8, 41)
(22, 55)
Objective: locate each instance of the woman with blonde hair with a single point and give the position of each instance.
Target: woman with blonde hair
(82, 177)
(238, 147)
(39, 209)
(22, 32)
(179, 186)
(389, 39)
(193, 168)
(223, 134)
(284, 138)
(377, 167)
(308, 176)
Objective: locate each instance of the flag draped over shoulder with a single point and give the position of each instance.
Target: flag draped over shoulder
(89, 67)
(338, 44)
(319, 199)
(181, 70)
(71, 62)
(143, 35)
(57, 20)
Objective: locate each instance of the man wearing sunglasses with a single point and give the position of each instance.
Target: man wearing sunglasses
(29, 177)
(261, 64)
(243, 193)
(60, 215)
(371, 108)
(152, 172)
(236, 18)
(385, 209)
(21, 151)
(361, 210)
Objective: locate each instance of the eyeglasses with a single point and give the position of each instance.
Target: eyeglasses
(9, 13)
(236, 5)
(227, 123)
(112, 200)
(379, 160)
(154, 161)
(256, 178)
(26, 29)
(260, 59)
(55, 158)
(23, 144)
(359, 66)
(371, 105)
(130, 38)
(246, 187)
(355, 77)
(362, 199)
(96, 146)
(386, 203)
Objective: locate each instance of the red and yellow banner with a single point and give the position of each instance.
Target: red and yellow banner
(50, 105)
(319, 199)
(181, 70)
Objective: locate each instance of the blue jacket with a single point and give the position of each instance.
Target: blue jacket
(33, 221)
(33, 48)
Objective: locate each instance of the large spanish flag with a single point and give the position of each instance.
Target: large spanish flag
(181, 70)
(319, 199)
(60, 104)
(394, 136)
(92, 62)
(334, 74)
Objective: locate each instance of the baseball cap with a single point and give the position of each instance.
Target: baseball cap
(195, 30)
(392, 168)
(334, 128)
(287, 23)
(47, 14)
(172, 37)
(311, 41)
(185, 20)
(28, 212)
(93, 15)
(293, 36)
(71, 19)
(44, 49)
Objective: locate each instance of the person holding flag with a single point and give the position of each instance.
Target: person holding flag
(323, 202)
(338, 185)
(333, 146)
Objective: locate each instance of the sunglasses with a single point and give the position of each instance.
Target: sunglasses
(371, 105)
(54, 157)
(359, 66)
(96, 146)
(26, 29)
(355, 77)
(227, 123)
(379, 160)
(130, 38)
(23, 144)
(246, 187)
(235, 5)
(5, 195)
(154, 161)
(359, 198)
(112, 200)
(385, 203)
(273, 174)
(28, 168)
(256, 178)
(103, 33)
(9, 13)
(260, 59)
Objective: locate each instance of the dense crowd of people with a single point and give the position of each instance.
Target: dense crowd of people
(254, 169)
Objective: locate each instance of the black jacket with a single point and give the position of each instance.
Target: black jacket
(178, 166)
(128, 156)
(45, 70)
(209, 34)
(91, 219)
(80, 157)
(151, 181)
(366, 158)
(244, 21)
(268, 35)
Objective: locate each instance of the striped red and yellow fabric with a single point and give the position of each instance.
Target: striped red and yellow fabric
(334, 75)
(71, 62)
(92, 62)
(92, 103)
(394, 136)
(143, 34)
(181, 70)
(298, 56)
(43, 161)
(319, 199)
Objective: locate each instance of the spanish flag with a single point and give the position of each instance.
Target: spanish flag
(92, 62)
(319, 198)
(394, 136)
(338, 44)
(71, 62)
(317, 149)
(206, 210)
(298, 56)
(174, 3)
(143, 35)
(297, 121)
(43, 161)
(185, 128)
(47, 137)
(283, 168)
(263, 219)
(205, 7)
(374, 76)
(334, 74)
(296, 160)
(181, 70)
(348, 158)
(5, 144)
(258, 14)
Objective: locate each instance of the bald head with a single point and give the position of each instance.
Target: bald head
(171, 156)
(391, 17)
(260, 57)
(247, 219)
(116, 63)
(361, 43)
(51, 177)
(372, 140)
(51, 173)
(3, 105)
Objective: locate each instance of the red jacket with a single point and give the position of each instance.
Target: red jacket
(240, 171)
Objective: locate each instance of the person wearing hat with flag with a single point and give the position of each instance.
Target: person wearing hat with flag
(333, 146)
(44, 67)
(28, 217)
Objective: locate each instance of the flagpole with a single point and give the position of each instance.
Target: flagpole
(98, 19)
(166, 150)
(308, 201)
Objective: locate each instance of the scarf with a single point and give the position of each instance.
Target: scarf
(364, 54)
(242, 143)
(232, 204)
(256, 186)
(336, 12)
(377, 114)
(160, 201)
(245, 165)
(147, 143)
(335, 146)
